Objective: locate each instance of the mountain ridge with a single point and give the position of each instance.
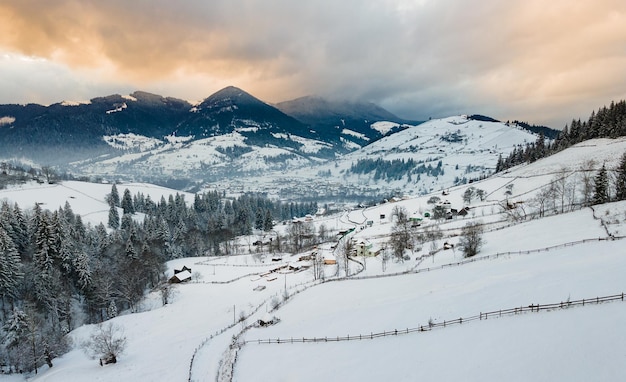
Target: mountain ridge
(71, 131)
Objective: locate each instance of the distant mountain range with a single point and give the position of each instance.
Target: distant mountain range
(67, 132)
(357, 148)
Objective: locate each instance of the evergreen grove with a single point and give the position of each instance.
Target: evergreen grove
(607, 122)
(57, 273)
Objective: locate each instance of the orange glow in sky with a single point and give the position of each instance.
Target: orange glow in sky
(536, 61)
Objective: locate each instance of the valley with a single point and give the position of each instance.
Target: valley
(209, 330)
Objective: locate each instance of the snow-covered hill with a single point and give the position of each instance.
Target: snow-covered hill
(86, 199)
(444, 152)
(219, 157)
(533, 260)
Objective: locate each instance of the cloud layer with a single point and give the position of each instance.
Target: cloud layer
(544, 62)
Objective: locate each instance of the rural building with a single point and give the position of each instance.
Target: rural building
(329, 259)
(365, 248)
(180, 277)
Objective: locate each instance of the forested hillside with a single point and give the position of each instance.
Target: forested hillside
(607, 122)
(57, 273)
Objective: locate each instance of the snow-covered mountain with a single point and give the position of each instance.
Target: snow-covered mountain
(527, 259)
(75, 136)
(414, 160)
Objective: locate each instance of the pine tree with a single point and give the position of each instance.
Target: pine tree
(115, 196)
(20, 228)
(131, 252)
(44, 246)
(114, 217)
(601, 187)
(259, 219)
(620, 189)
(10, 267)
(82, 270)
(268, 223)
(127, 203)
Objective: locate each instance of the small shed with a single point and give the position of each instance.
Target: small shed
(329, 259)
(180, 277)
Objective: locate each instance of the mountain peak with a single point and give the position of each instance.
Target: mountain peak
(231, 92)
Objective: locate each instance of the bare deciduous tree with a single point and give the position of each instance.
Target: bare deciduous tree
(400, 238)
(107, 342)
(587, 174)
(300, 234)
(471, 239)
(317, 262)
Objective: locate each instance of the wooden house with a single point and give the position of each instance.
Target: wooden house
(180, 277)
(329, 259)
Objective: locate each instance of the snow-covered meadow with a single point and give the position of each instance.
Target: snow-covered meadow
(538, 260)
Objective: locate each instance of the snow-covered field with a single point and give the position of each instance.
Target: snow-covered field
(86, 199)
(542, 261)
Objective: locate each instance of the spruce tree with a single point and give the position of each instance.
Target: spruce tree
(127, 203)
(10, 267)
(268, 223)
(20, 228)
(115, 196)
(114, 216)
(259, 219)
(601, 187)
(620, 189)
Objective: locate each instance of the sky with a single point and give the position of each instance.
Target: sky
(530, 60)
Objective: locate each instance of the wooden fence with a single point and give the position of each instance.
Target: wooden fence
(433, 325)
(481, 258)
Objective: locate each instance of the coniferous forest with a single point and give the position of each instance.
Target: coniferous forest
(57, 273)
(607, 122)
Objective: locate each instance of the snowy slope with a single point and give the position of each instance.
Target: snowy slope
(540, 260)
(86, 199)
(195, 159)
(464, 149)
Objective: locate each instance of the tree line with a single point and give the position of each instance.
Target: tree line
(57, 273)
(394, 169)
(607, 122)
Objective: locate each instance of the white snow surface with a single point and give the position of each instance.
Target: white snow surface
(354, 134)
(384, 127)
(558, 258)
(86, 199)
(6, 120)
(131, 141)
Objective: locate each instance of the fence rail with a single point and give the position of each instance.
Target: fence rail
(446, 323)
(482, 258)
